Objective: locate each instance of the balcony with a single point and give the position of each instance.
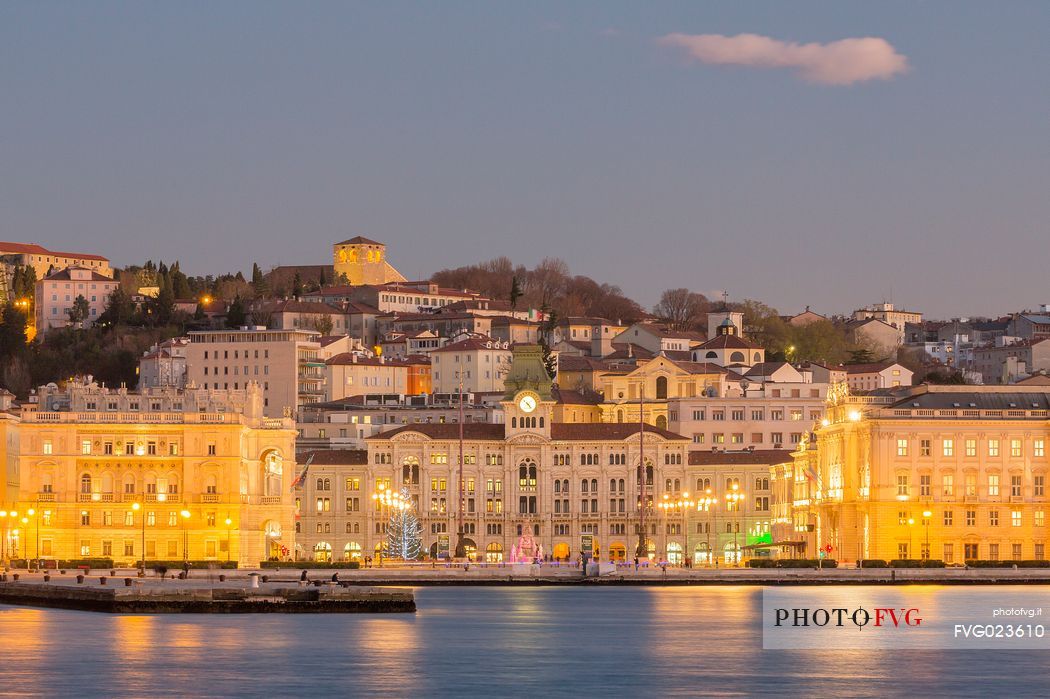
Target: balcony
(162, 497)
(210, 497)
(45, 497)
(270, 500)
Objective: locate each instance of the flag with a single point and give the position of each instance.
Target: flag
(302, 474)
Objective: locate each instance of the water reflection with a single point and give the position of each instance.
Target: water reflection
(491, 641)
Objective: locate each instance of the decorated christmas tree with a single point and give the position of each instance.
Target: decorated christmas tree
(403, 531)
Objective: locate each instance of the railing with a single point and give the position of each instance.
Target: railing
(210, 497)
(145, 416)
(45, 497)
(270, 500)
(965, 413)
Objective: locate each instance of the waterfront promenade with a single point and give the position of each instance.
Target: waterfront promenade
(475, 574)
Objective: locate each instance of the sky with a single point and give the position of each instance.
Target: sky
(823, 154)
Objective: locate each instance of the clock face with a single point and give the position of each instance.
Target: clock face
(527, 404)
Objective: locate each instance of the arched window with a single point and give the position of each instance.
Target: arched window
(677, 485)
(621, 485)
(711, 355)
(320, 484)
(594, 485)
(619, 416)
(612, 485)
(661, 422)
(649, 474)
(85, 483)
(557, 486)
(273, 468)
(661, 387)
(758, 357)
(352, 551)
(565, 486)
(583, 485)
(737, 357)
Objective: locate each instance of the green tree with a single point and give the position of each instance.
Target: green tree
(12, 331)
(515, 292)
(236, 314)
(78, 312)
(297, 285)
(546, 331)
(120, 309)
(160, 310)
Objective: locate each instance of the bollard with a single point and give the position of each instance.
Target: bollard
(222, 578)
(127, 582)
(47, 578)
(15, 577)
(265, 578)
(253, 580)
(80, 580)
(112, 573)
(102, 580)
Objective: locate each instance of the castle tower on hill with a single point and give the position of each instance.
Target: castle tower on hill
(363, 261)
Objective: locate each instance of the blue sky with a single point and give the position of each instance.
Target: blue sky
(229, 133)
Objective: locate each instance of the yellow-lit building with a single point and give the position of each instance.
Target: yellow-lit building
(363, 261)
(193, 474)
(954, 473)
(656, 381)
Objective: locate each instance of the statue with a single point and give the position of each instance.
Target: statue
(527, 550)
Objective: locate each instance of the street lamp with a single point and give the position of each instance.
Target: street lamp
(708, 504)
(733, 499)
(25, 544)
(36, 517)
(926, 521)
(911, 535)
(229, 549)
(386, 497)
(675, 507)
(136, 507)
(185, 537)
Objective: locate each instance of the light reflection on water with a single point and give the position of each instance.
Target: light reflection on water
(618, 641)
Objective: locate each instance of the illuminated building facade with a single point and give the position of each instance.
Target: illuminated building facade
(954, 473)
(190, 474)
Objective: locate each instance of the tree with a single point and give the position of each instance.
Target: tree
(297, 285)
(119, 309)
(322, 282)
(515, 292)
(550, 362)
(160, 309)
(861, 356)
(258, 281)
(236, 314)
(12, 331)
(404, 534)
(78, 312)
(323, 324)
(681, 309)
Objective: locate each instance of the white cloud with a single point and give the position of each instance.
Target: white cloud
(842, 62)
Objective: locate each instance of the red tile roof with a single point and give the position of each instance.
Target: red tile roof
(360, 240)
(733, 458)
(728, 342)
(560, 431)
(335, 457)
(34, 249)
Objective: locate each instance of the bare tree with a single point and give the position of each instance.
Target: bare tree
(681, 309)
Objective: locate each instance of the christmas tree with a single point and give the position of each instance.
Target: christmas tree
(403, 532)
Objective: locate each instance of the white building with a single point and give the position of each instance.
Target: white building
(164, 364)
(57, 293)
(868, 377)
(285, 362)
(480, 362)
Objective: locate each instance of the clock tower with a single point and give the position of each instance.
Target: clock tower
(527, 405)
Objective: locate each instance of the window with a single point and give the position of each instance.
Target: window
(924, 447)
(948, 447)
(971, 519)
(1038, 448)
(948, 485)
(970, 552)
(949, 553)
(1040, 552)
(971, 485)
(971, 447)
(1038, 486)
(85, 518)
(211, 449)
(924, 485)
(85, 446)
(1015, 448)
(947, 518)
(1015, 486)
(993, 485)
(902, 485)
(993, 447)
(993, 518)
(993, 552)
(47, 448)
(1015, 518)
(902, 447)
(1039, 518)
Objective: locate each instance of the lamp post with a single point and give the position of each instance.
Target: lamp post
(142, 559)
(384, 498)
(708, 503)
(3, 536)
(926, 521)
(185, 537)
(36, 517)
(911, 535)
(675, 507)
(25, 544)
(229, 549)
(733, 499)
